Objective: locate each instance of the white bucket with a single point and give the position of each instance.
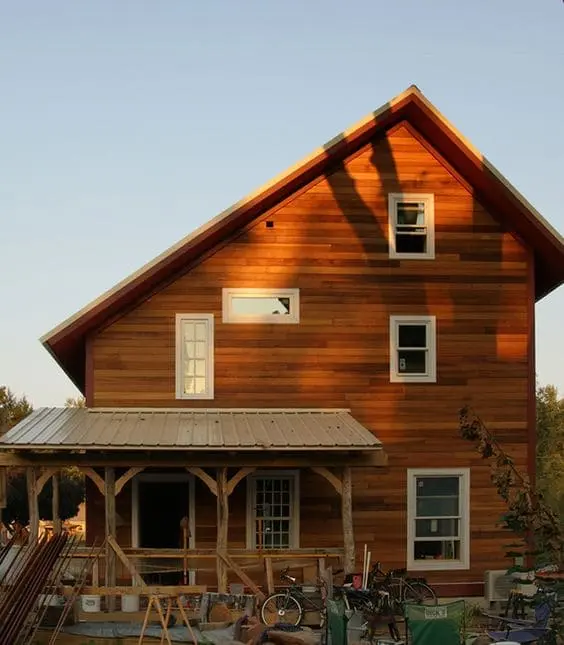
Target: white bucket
(91, 604)
(129, 603)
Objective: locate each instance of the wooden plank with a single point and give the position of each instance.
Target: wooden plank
(203, 475)
(44, 477)
(237, 477)
(330, 477)
(135, 576)
(93, 475)
(55, 505)
(128, 475)
(33, 505)
(222, 527)
(110, 517)
(347, 515)
(160, 590)
(269, 574)
(242, 575)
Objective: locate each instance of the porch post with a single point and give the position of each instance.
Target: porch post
(110, 508)
(346, 511)
(32, 504)
(222, 527)
(55, 505)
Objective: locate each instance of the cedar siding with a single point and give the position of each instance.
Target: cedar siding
(330, 241)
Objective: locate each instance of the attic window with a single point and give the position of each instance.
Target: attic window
(194, 356)
(411, 226)
(274, 306)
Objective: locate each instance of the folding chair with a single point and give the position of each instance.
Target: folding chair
(434, 624)
(524, 631)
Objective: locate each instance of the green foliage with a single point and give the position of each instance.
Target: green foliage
(550, 448)
(71, 495)
(12, 408)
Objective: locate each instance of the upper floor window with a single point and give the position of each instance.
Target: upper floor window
(411, 225)
(413, 349)
(438, 511)
(261, 306)
(194, 356)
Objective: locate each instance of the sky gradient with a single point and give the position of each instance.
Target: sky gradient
(125, 125)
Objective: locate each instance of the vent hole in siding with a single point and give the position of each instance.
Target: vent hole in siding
(269, 223)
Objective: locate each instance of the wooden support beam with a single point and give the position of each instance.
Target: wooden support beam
(346, 512)
(135, 575)
(130, 474)
(203, 475)
(137, 591)
(237, 477)
(269, 575)
(3, 487)
(330, 477)
(242, 575)
(93, 475)
(55, 505)
(222, 527)
(44, 477)
(110, 508)
(33, 505)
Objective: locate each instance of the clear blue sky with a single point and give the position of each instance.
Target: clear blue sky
(124, 125)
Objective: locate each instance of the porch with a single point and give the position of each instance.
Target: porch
(240, 472)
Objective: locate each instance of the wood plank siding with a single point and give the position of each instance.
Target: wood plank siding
(330, 241)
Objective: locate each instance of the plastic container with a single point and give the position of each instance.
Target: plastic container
(129, 603)
(91, 604)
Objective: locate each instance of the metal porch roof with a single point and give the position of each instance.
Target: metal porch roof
(195, 429)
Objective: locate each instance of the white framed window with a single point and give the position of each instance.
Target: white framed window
(411, 218)
(413, 355)
(194, 356)
(273, 513)
(438, 518)
(278, 306)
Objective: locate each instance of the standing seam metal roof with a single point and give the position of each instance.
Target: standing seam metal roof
(196, 429)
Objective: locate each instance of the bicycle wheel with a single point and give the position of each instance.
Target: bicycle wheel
(419, 593)
(281, 608)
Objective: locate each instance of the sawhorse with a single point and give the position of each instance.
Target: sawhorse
(164, 617)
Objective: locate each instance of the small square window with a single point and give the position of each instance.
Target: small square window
(411, 226)
(438, 530)
(412, 349)
(194, 356)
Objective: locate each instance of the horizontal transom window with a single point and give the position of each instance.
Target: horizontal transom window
(271, 306)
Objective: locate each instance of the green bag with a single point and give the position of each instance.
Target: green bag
(430, 625)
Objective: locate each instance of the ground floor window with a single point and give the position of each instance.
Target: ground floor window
(438, 505)
(273, 510)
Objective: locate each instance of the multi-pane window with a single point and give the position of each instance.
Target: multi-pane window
(273, 512)
(194, 356)
(271, 306)
(438, 516)
(412, 349)
(411, 226)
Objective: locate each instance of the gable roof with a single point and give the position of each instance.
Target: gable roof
(67, 341)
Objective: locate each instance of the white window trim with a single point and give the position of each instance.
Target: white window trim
(395, 375)
(251, 493)
(292, 319)
(429, 200)
(435, 565)
(179, 354)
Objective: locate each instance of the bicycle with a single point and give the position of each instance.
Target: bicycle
(288, 606)
(403, 589)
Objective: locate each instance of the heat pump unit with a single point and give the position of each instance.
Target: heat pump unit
(497, 585)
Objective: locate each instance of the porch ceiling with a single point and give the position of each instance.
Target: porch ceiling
(246, 430)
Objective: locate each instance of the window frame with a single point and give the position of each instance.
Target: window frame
(179, 357)
(429, 200)
(294, 475)
(293, 318)
(431, 324)
(464, 500)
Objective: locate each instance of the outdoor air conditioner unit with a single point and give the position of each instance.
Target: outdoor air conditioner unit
(497, 585)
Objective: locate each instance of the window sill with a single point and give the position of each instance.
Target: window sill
(437, 565)
(411, 256)
(404, 378)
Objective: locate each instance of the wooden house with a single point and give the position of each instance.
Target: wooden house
(285, 381)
